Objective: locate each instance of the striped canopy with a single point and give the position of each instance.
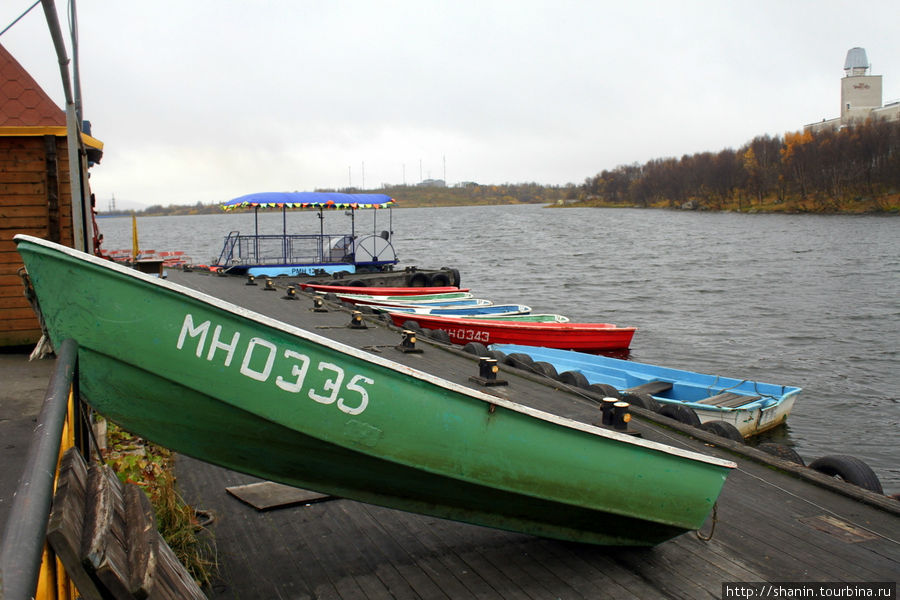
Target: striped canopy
(309, 200)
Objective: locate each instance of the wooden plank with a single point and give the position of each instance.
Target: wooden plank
(171, 580)
(266, 495)
(22, 326)
(651, 387)
(103, 538)
(445, 568)
(142, 541)
(64, 528)
(474, 547)
(11, 258)
(13, 302)
(37, 209)
(20, 337)
(16, 314)
(14, 289)
(37, 175)
(52, 190)
(7, 235)
(24, 222)
(728, 400)
(591, 572)
(11, 268)
(380, 556)
(397, 564)
(30, 188)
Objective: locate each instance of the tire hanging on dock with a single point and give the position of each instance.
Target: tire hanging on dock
(850, 469)
(476, 348)
(681, 413)
(782, 451)
(574, 378)
(723, 429)
(519, 360)
(604, 390)
(641, 399)
(417, 279)
(440, 280)
(545, 369)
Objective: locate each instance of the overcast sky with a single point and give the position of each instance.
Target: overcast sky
(206, 100)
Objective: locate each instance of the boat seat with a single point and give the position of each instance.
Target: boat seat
(728, 400)
(651, 387)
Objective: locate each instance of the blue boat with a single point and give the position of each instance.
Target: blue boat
(271, 255)
(751, 407)
(457, 311)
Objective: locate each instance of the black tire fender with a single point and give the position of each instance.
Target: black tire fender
(850, 469)
(645, 401)
(439, 280)
(476, 348)
(723, 429)
(412, 325)
(575, 378)
(782, 451)
(681, 413)
(454, 275)
(519, 360)
(604, 389)
(544, 368)
(497, 354)
(418, 279)
(439, 335)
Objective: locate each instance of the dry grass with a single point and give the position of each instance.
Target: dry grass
(152, 468)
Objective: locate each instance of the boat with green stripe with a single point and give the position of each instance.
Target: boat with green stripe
(238, 389)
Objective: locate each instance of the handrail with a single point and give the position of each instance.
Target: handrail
(26, 525)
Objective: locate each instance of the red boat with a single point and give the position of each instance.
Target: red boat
(586, 337)
(380, 291)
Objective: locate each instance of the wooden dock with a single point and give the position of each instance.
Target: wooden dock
(774, 522)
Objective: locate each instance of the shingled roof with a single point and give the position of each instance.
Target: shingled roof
(22, 101)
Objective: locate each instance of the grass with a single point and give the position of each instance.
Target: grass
(152, 468)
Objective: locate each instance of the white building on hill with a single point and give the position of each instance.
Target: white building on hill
(860, 95)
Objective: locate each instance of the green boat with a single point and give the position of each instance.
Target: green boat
(238, 389)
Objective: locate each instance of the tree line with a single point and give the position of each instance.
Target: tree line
(856, 168)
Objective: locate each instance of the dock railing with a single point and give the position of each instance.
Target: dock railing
(286, 249)
(28, 567)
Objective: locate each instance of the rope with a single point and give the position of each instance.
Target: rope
(712, 530)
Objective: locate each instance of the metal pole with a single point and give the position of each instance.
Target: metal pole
(83, 240)
(26, 525)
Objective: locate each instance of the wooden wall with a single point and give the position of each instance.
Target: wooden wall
(35, 200)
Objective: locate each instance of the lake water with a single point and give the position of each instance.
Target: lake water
(805, 300)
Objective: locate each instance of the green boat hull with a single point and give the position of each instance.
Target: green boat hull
(237, 389)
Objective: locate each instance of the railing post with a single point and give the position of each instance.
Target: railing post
(26, 525)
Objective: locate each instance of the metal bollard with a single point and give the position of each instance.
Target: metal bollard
(606, 408)
(408, 342)
(621, 416)
(487, 372)
(356, 321)
(319, 304)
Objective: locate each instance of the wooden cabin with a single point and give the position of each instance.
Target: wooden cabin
(35, 190)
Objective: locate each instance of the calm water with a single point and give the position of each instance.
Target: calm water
(805, 300)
